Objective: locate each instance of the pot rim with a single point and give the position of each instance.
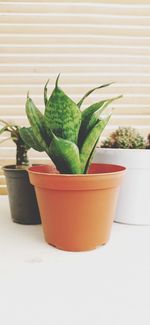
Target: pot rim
(124, 149)
(130, 158)
(121, 169)
(11, 167)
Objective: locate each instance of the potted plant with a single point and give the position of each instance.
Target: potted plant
(77, 203)
(148, 142)
(22, 198)
(126, 146)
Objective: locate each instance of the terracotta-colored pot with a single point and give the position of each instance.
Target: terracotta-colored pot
(77, 211)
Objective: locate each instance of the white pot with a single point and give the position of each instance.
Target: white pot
(134, 198)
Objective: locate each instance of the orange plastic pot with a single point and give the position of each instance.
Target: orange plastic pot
(77, 211)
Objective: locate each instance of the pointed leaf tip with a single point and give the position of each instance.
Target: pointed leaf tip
(46, 83)
(91, 91)
(57, 79)
(118, 97)
(45, 93)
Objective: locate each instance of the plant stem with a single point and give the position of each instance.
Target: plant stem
(21, 155)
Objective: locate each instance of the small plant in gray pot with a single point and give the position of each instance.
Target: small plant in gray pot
(128, 147)
(22, 198)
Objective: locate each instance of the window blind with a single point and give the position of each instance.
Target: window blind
(90, 43)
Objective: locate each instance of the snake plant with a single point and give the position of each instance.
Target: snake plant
(21, 147)
(66, 133)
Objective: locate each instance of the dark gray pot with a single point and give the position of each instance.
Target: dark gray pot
(22, 198)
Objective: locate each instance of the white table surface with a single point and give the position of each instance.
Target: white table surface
(42, 285)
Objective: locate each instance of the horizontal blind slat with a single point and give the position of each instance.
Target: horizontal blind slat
(39, 101)
(78, 50)
(132, 90)
(70, 19)
(134, 6)
(72, 29)
(72, 59)
(38, 79)
(61, 38)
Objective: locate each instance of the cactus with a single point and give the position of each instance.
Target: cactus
(21, 147)
(148, 142)
(124, 137)
(67, 134)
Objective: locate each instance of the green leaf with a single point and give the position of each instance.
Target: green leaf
(90, 157)
(2, 130)
(90, 143)
(90, 116)
(45, 93)
(9, 126)
(38, 125)
(29, 139)
(91, 91)
(65, 155)
(62, 115)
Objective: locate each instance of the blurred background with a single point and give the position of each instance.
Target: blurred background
(90, 43)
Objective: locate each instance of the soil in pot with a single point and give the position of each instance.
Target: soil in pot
(77, 211)
(22, 198)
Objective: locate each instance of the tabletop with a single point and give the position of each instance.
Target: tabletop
(40, 284)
